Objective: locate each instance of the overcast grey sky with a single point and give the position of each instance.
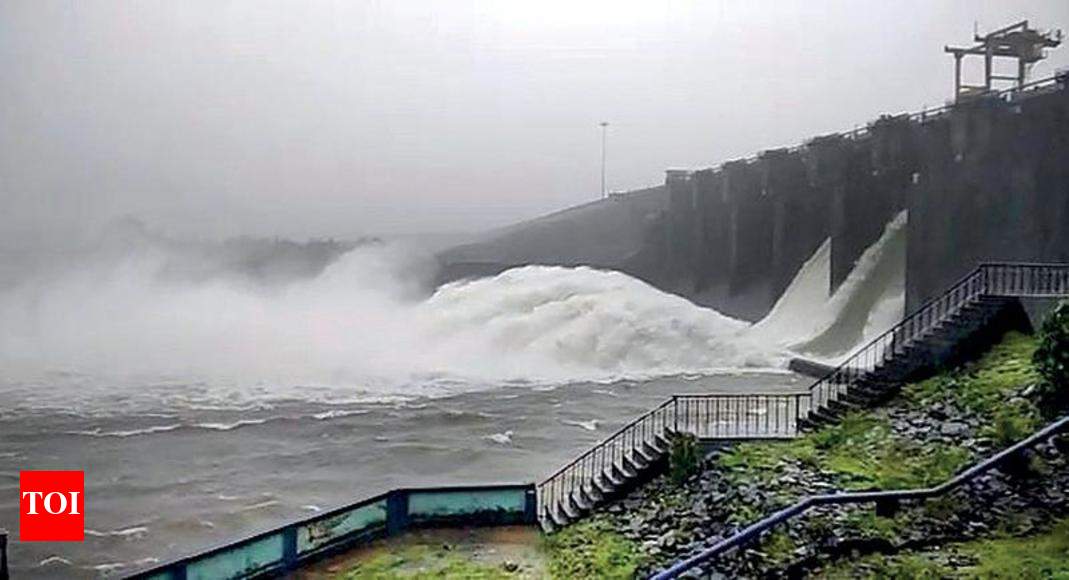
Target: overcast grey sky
(316, 118)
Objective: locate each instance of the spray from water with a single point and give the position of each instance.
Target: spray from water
(361, 327)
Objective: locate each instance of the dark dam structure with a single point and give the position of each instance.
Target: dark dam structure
(983, 179)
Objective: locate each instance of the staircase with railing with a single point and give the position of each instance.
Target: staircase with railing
(929, 336)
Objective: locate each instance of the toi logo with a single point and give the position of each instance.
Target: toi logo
(51, 506)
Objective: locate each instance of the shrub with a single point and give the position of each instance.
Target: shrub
(683, 458)
(1051, 359)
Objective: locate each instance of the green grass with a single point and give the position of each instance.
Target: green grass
(897, 567)
(981, 386)
(591, 549)
(424, 563)
(1044, 555)
(860, 451)
(1039, 556)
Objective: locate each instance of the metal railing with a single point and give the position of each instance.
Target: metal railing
(1004, 279)
(713, 416)
(556, 488)
(1009, 94)
(753, 531)
(721, 416)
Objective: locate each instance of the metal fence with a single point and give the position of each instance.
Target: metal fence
(1008, 95)
(707, 416)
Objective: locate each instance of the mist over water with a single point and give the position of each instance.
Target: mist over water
(120, 321)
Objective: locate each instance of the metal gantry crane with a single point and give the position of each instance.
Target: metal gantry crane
(1018, 41)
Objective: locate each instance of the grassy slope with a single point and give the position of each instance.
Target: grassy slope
(863, 452)
(1036, 556)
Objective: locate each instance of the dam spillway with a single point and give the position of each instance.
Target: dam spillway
(985, 179)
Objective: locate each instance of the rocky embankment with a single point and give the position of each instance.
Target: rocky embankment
(927, 433)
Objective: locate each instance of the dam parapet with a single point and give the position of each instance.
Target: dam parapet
(983, 179)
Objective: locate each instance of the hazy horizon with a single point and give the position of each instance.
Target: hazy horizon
(342, 119)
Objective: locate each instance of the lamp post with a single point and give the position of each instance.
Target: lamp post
(604, 130)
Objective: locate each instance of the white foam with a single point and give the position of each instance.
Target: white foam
(129, 432)
(356, 333)
(500, 438)
(133, 532)
(869, 301)
(801, 311)
(591, 425)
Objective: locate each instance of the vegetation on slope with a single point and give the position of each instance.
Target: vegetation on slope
(1036, 556)
(592, 549)
(928, 433)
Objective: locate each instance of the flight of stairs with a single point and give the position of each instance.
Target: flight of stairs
(944, 331)
(618, 477)
(948, 339)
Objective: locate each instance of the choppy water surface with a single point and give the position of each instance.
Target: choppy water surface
(184, 476)
(205, 404)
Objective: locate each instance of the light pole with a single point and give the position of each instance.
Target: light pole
(604, 129)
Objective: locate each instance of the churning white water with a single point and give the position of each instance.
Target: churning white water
(358, 328)
(362, 328)
(830, 325)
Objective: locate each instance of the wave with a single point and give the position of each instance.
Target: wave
(118, 336)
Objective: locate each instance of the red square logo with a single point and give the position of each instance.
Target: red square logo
(51, 506)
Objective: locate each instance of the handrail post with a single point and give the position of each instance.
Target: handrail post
(675, 412)
(3, 556)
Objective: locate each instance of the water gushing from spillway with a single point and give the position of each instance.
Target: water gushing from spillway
(360, 328)
(116, 328)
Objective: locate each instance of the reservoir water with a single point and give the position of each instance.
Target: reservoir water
(205, 405)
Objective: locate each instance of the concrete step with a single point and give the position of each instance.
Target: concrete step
(842, 407)
(807, 424)
(614, 478)
(634, 463)
(569, 511)
(655, 448)
(823, 416)
(624, 472)
(580, 500)
(557, 519)
(591, 494)
(603, 485)
(642, 452)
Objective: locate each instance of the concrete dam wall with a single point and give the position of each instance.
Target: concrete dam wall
(984, 180)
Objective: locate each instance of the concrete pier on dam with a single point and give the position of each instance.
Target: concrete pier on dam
(986, 179)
